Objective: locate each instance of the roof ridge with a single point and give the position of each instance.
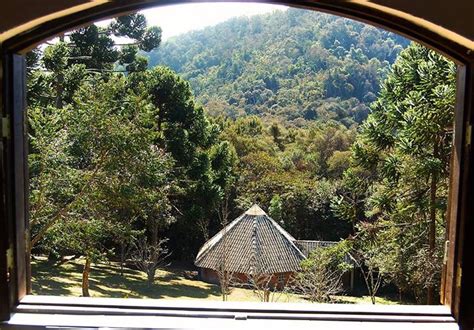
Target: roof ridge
(253, 258)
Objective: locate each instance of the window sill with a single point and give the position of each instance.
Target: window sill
(50, 311)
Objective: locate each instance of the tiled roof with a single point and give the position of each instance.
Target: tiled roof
(307, 246)
(252, 244)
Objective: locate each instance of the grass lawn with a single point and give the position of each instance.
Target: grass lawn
(106, 281)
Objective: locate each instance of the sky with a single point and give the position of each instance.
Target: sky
(178, 19)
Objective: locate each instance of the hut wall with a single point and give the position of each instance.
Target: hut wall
(208, 275)
(278, 280)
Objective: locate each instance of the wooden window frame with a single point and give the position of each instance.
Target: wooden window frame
(458, 289)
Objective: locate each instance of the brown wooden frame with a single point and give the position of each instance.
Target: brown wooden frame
(457, 282)
(461, 261)
(14, 188)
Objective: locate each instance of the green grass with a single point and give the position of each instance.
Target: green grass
(105, 280)
(365, 300)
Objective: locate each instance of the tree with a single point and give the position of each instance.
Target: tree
(107, 184)
(84, 237)
(149, 257)
(88, 51)
(203, 165)
(66, 68)
(368, 254)
(94, 46)
(261, 285)
(275, 210)
(226, 277)
(402, 158)
(321, 275)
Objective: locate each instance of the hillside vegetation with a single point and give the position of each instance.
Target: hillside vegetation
(295, 65)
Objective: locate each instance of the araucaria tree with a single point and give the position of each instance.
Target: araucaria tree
(397, 186)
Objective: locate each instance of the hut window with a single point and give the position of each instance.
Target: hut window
(281, 278)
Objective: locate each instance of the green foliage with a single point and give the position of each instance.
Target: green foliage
(320, 277)
(80, 237)
(296, 66)
(118, 165)
(275, 210)
(333, 256)
(94, 48)
(151, 39)
(132, 26)
(284, 171)
(397, 185)
(55, 57)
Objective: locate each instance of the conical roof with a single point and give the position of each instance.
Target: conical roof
(251, 244)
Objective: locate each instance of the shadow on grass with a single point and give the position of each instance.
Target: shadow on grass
(47, 279)
(105, 279)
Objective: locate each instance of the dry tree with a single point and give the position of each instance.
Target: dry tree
(150, 257)
(226, 277)
(319, 280)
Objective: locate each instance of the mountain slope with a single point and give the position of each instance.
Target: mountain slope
(294, 65)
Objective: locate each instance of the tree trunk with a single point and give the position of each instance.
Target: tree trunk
(150, 275)
(371, 289)
(432, 224)
(122, 257)
(85, 278)
(204, 226)
(154, 232)
(59, 91)
(266, 295)
(59, 84)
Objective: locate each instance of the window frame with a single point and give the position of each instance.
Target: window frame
(457, 291)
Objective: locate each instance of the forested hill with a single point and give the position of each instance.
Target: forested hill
(295, 65)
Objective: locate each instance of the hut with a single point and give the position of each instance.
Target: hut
(251, 245)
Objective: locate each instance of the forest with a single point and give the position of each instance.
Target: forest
(340, 131)
(295, 66)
